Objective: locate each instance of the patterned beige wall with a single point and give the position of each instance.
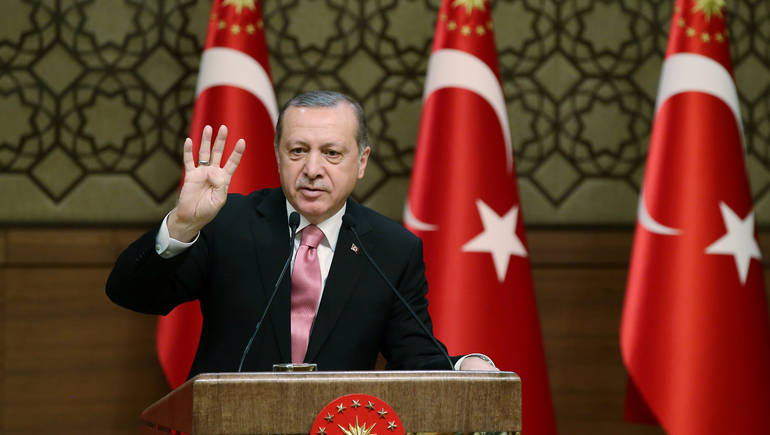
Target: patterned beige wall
(96, 96)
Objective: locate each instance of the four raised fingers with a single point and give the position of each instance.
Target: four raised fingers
(213, 156)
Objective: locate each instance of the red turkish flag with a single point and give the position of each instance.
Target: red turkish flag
(695, 336)
(234, 89)
(464, 204)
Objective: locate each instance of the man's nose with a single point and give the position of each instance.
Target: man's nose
(313, 164)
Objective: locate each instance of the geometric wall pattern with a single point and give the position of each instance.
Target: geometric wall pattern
(96, 98)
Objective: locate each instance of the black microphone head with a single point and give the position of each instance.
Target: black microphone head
(294, 220)
(348, 221)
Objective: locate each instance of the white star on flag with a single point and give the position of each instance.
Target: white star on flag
(739, 240)
(498, 238)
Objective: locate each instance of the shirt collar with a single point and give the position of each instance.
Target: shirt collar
(330, 227)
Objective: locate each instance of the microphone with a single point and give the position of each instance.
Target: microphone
(293, 224)
(350, 223)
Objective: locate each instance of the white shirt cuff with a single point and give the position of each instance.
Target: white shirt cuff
(459, 362)
(167, 247)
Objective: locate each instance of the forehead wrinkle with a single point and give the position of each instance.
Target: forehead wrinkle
(323, 131)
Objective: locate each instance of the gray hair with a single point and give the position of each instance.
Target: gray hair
(326, 99)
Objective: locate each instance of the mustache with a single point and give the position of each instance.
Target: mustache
(307, 183)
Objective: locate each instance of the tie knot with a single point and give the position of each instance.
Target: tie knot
(312, 236)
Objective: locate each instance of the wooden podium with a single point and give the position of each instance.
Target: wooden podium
(288, 402)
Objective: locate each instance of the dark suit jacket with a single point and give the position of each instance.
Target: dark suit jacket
(232, 270)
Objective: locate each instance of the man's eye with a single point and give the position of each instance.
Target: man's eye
(296, 151)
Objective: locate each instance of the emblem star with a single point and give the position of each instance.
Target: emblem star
(709, 8)
(356, 404)
(240, 4)
(498, 238)
(329, 417)
(392, 425)
(357, 429)
(341, 408)
(321, 431)
(370, 406)
(739, 241)
(469, 5)
(382, 413)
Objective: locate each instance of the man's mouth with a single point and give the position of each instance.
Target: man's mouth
(311, 191)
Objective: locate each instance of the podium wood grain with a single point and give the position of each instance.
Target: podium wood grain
(254, 403)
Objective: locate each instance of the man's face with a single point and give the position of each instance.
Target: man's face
(318, 159)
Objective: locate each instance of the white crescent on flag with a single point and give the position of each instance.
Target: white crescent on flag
(650, 224)
(689, 72)
(415, 223)
(222, 66)
(449, 68)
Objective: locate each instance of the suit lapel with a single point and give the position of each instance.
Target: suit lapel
(270, 232)
(343, 278)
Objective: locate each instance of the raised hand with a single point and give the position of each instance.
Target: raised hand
(204, 191)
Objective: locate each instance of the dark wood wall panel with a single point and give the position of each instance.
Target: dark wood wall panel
(579, 248)
(71, 247)
(580, 314)
(75, 363)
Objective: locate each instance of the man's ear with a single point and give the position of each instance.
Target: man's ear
(362, 162)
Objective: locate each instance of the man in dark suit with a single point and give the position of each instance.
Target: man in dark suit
(227, 251)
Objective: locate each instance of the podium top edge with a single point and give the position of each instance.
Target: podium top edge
(388, 375)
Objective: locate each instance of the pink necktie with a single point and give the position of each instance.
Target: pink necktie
(305, 291)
